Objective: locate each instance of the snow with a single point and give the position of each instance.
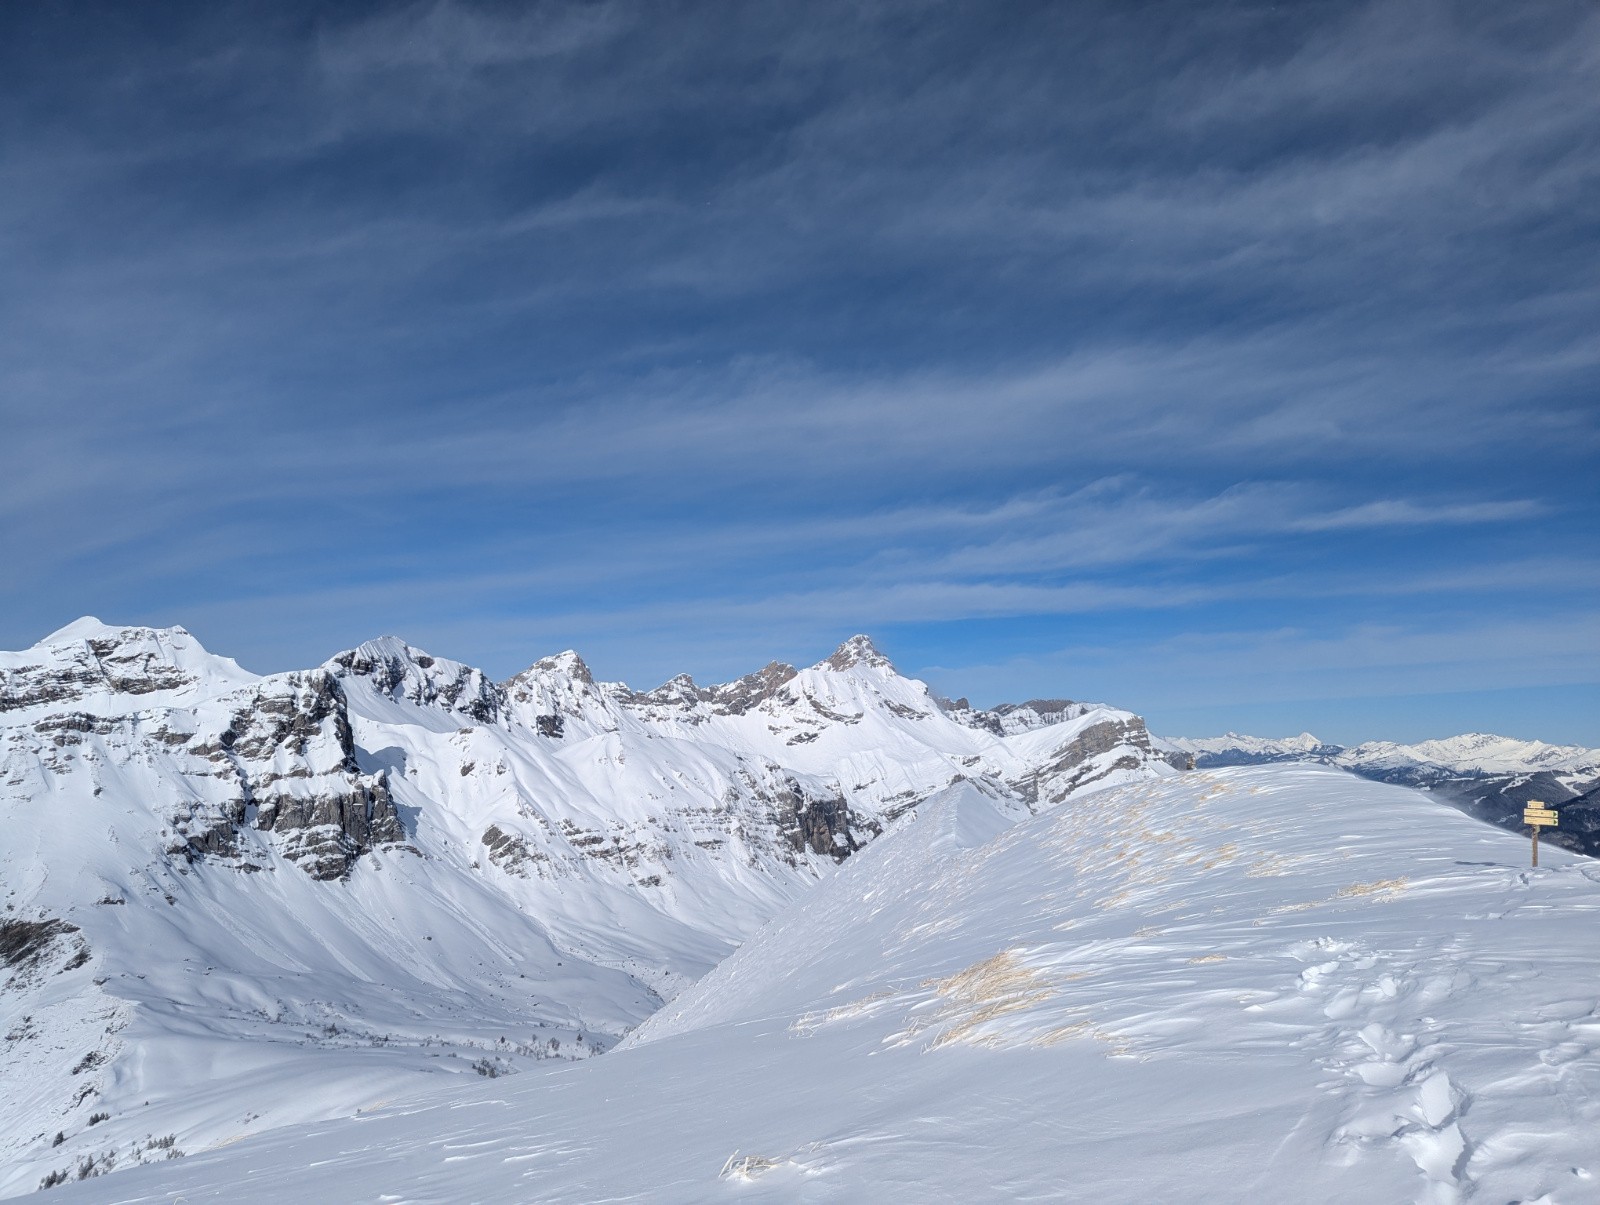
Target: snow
(1266, 983)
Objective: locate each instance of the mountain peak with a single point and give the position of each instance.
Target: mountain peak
(388, 646)
(90, 628)
(103, 667)
(858, 650)
(566, 662)
(397, 658)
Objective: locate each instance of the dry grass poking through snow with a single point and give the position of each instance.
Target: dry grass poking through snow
(809, 1023)
(981, 993)
(1381, 890)
(747, 1167)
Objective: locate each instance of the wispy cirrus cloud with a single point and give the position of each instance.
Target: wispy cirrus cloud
(925, 315)
(1401, 512)
(453, 38)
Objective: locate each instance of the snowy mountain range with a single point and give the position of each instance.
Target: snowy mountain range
(235, 902)
(1490, 777)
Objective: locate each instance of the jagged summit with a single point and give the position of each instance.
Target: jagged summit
(566, 662)
(858, 650)
(741, 695)
(401, 671)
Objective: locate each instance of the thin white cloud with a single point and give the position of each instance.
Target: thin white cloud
(443, 35)
(884, 322)
(1400, 512)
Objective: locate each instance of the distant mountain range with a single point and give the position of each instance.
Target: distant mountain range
(1489, 777)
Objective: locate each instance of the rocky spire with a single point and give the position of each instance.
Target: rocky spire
(858, 650)
(568, 663)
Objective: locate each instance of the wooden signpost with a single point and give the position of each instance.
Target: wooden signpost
(1535, 815)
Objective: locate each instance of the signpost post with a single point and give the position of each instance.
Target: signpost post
(1536, 816)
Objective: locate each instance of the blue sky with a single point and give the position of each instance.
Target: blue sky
(1236, 363)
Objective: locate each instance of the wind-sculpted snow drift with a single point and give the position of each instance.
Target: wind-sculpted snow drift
(1258, 984)
(233, 902)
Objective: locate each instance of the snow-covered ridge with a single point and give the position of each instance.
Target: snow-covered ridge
(391, 865)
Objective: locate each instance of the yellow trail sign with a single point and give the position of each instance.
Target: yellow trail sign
(1535, 815)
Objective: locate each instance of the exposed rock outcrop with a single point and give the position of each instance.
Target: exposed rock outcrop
(823, 824)
(688, 702)
(295, 753)
(1007, 719)
(403, 672)
(858, 650)
(1081, 760)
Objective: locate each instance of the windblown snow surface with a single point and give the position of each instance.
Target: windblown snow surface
(1273, 983)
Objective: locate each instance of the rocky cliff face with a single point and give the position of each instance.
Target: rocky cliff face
(401, 672)
(295, 752)
(238, 770)
(1098, 751)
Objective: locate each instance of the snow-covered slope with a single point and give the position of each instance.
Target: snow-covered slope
(235, 901)
(1246, 985)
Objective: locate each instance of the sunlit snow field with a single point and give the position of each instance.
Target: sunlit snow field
(1264, 984)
